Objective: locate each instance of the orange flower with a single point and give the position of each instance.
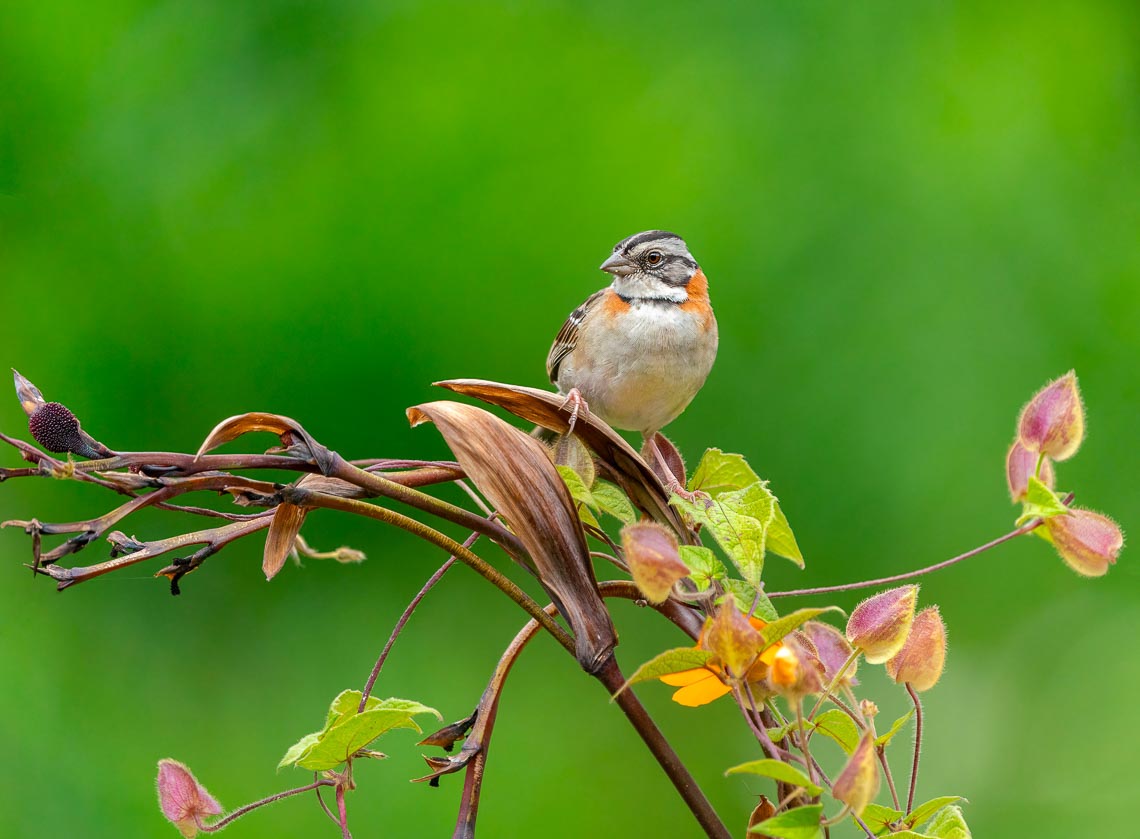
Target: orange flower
(702, 685)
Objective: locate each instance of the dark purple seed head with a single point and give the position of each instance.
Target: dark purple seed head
(56, 429)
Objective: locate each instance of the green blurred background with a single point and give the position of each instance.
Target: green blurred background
(912, 216)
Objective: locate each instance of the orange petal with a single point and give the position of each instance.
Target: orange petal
(769, 655)
(683, 678)
(702, 692)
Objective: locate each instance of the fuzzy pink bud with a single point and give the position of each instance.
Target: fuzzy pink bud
(1020, 464)
(1053, 422)
(923, 656)
(654, 559)
(879, 625)
(833, 651)
(1087, 541)
(184, 801)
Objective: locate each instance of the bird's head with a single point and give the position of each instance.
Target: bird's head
(653, 265)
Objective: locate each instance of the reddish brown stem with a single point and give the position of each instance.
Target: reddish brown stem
(910, 575)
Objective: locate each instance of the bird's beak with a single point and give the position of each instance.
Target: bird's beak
(617, 266)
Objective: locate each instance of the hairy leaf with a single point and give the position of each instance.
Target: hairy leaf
(837, 726)
(779, 770)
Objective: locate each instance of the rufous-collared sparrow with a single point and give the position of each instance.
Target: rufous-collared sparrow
(636, 352)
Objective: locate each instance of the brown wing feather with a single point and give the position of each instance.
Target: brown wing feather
(567, 337)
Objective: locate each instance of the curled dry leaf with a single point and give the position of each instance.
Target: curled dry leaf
(513, 471)
(625, 466)
(292, 434)
(287, 521)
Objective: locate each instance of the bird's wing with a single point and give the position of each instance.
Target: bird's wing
(567, 337)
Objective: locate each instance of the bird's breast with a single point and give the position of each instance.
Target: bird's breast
(638, 364)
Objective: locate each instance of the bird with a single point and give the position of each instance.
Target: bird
(636, 352)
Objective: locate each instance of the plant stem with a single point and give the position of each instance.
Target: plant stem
(881, 751)
(241, 811)
(804, 740)
(404, 618)
(897, 578)
(917, 746)
(835, 682)
(342, 811)
(610, 675)
(307, 498)
(429, 504)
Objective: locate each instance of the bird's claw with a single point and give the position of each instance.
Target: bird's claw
(574, 398)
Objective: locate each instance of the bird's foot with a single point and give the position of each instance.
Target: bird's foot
(577, 406)
(692, 496)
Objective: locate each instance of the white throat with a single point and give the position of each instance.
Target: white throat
(640, 287)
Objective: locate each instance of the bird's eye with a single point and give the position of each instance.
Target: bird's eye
(653, 257)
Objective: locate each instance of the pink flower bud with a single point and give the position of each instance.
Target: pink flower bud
(923, 656)
(654, 559)
(1054, 420)
(833, 651)
(858, 783)
(879, 625)
(1020, 463)
(184, 801)
(1087, 541)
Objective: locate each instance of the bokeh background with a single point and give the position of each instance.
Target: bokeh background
(912, 216)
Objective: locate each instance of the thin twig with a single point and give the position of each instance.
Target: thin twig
(241, 811)
(917, 746)
(342, 811)
(910, 575)
(407, 614)
(308, 498)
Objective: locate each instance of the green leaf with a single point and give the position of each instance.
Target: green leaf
(578, 489)
(738, 521)
(886, 737)
(704, 567)
(612, 501)
(924, 811)
(777, 629)
(355, 731)
(299, 749)
(781, 540)
(670, 661)
(948, 823)
(837, 726)
(880, 818)
(800, 823)
(1040, 502)
(719, 472)
(781, 731)
(347, 731)
(746, 593)
(780, 771)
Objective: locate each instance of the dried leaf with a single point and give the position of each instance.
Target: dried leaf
(764, 811)
(623, 465)
(290, 431)
(514, 472)
(287, 521)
